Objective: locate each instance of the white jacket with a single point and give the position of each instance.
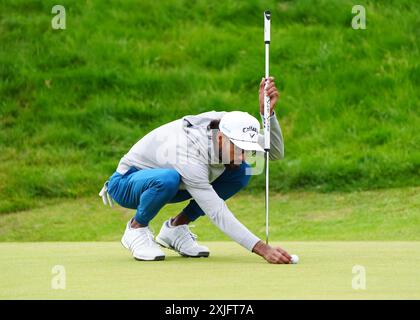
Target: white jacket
(186, 145)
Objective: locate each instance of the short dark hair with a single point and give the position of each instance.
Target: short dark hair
(214, 124)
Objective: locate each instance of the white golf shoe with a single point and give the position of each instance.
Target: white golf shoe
(140, 242)
(182, 240)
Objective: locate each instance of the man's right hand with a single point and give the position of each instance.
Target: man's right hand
(272, 255)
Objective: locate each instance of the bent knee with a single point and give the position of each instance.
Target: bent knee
(169, 181)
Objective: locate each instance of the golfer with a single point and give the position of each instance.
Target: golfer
(200, 158)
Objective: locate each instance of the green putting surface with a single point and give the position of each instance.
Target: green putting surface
(105, 270)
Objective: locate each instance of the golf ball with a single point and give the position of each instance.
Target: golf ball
(295, 259)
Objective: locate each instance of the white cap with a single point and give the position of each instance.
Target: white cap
(242, 129)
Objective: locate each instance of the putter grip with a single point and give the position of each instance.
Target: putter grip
(267, 20)
(266, 123)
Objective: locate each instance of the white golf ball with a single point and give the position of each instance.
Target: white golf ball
(295, 259)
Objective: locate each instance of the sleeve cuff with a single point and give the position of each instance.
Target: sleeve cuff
(250, 243)
(273, 115)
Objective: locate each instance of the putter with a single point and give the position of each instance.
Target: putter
(267, 17)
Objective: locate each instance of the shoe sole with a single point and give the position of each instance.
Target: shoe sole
(157, 258)
(163, 244)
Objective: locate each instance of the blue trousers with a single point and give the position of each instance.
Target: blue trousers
(148, 190)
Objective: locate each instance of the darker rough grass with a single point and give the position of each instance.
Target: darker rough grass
(73, 101)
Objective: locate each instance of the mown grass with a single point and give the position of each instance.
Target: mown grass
(390, 215)
(105, 270)
(73, 101)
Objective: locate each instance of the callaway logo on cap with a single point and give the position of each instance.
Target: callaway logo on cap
(242, 130)
(251, 130)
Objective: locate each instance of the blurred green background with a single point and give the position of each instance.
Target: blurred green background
(73, 101)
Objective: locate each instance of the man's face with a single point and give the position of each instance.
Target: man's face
(237, 155)
(229, 154)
